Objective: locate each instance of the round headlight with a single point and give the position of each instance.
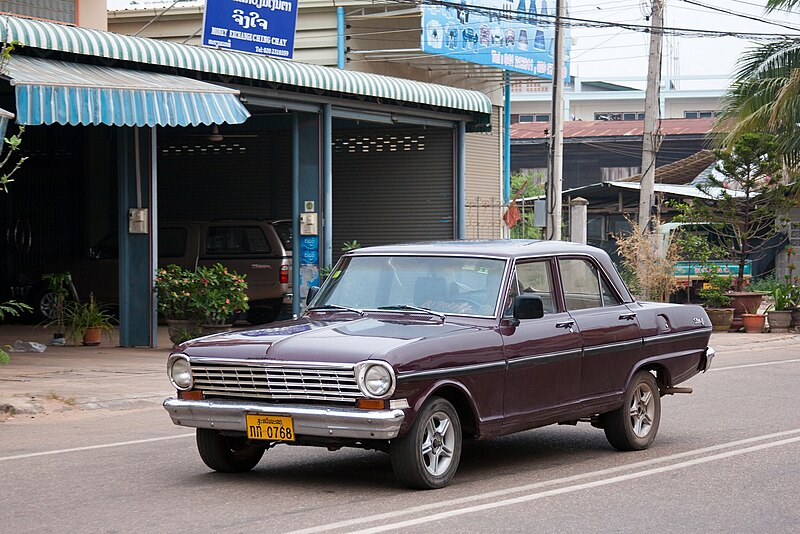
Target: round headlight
(377, 380)
(180, 372)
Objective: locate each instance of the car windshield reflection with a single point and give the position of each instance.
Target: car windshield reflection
(440, 284)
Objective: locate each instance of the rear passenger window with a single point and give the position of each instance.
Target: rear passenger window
(237, 241)
(534, 279)
(583, 285)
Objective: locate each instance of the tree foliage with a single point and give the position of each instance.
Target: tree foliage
(749, 197)
(526, 185)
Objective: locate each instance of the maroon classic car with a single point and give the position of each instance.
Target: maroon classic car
(410, 349)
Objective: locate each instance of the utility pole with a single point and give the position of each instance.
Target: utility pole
(651, 138)
(556, 155)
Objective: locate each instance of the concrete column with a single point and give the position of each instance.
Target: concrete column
(578, 208)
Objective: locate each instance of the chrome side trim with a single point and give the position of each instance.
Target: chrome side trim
(668, 338)
(452, 371)
(536, 359)
(611, 347)
(332, 422)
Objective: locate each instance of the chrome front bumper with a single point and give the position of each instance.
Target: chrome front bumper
(332, 422)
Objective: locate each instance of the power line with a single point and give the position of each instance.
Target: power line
(742, 15)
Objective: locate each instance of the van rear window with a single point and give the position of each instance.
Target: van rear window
(237, 240)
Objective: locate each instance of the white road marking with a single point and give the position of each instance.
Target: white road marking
(569, 489)
(92, 447)
(529, 487)
(753, 365)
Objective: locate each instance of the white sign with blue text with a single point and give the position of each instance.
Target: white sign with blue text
(494, 32)
(264, 27)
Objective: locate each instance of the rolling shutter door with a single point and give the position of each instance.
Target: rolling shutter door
(392, 186)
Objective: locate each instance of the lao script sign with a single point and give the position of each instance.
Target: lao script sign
(264, 27)
(492, 32)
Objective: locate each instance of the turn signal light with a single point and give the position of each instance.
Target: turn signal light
(190, 395)
(284, 274)
(371, 404)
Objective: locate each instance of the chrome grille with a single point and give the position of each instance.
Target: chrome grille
(276, 382)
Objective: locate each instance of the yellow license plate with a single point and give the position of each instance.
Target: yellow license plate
(270, 427)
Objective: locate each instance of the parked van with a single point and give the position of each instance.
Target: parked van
(260, 249)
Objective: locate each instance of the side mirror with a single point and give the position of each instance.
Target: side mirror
(312, 292)
(528, 307)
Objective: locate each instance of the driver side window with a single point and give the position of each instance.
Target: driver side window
(534, 279)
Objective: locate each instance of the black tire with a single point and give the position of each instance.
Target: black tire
(634, 425)
(227, 454)
(43, 304)
(437, 429)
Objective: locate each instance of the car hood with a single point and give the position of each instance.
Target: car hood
(306, 340)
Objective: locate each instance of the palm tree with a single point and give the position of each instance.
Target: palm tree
(765, 93)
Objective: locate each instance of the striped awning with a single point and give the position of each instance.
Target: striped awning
(85, 41)
(58, 92)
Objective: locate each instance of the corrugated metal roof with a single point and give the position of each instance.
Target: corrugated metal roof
(682, 171)
(578, 129)
(51, 92)
(85, 41)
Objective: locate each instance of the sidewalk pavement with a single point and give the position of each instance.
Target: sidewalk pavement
(86, 378)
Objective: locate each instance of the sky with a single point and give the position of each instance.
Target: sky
(616, 55)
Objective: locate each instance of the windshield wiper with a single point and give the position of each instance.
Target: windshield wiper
(414, 308)
(336, 307)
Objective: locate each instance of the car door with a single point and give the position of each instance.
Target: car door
(609, 330)
(543, 355)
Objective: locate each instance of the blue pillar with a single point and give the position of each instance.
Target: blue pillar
(461, 180)
(506, 137)
(306, 174)
(327, 186)
(137, 243)
(340, 39)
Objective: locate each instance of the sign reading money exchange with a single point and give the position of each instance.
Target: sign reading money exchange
(264, 27)
(488, 32)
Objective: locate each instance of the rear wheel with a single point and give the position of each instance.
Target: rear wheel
(633, 426)
(227, 454)
(427, 456)
(44, 304)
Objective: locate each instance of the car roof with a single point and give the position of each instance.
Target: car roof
(503, 248)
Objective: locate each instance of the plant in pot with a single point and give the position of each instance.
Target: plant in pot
(221, 294)
(88, 321)
(60, 286)
(717, 302)
(177, 290)
(752, 321)
(779, 313)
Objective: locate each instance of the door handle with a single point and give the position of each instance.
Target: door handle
(627, 316)
(566, 324)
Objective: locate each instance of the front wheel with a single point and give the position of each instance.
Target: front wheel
(633, 426)
(227, 454)
(427, 456)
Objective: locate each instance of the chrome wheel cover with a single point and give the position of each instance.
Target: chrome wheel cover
(438, 443)
(643, 409)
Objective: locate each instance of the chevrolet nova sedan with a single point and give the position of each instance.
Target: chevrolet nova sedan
(410, 349)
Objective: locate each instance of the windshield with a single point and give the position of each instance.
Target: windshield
(452, 285)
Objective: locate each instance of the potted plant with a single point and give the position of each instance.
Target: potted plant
(60, 287)
(87, 321)
(752, 321)
(717, 302)
(220, 295)
(177, 290)
(779, 313)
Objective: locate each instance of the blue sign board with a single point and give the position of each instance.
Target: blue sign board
(264, 27)
(489, 32)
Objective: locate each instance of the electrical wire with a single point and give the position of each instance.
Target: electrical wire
(741, 15)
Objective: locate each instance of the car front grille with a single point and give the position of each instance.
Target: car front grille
(276, 382)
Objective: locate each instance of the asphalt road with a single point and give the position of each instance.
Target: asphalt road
(727, 459)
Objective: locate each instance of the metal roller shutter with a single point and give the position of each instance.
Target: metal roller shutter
(392, 186)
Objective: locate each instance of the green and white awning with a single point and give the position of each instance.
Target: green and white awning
(84, 41)
(57, 92)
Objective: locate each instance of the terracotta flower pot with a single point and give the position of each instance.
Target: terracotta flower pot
(744, 302)
(754, 322)
(91, 338)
